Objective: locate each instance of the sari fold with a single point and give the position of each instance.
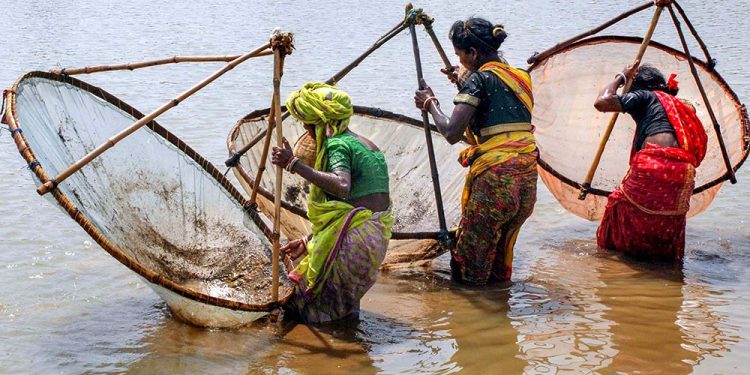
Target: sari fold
(646, 214)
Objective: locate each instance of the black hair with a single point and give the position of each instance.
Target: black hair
(478, 33)
(651, 79)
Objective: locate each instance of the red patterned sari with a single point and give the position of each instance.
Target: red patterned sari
(646, 214)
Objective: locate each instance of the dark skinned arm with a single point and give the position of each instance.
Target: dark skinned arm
(337, 183)
(453, 127)
(608, 101)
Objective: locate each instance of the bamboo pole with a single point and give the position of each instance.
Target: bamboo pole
(428, 139)
(710, 61)
(544, 54)
(235, 157)
(278, 59)
(448, 66)
(709, 108)
(146, 64)
(47, 186)
(266, 147)
(598, 157)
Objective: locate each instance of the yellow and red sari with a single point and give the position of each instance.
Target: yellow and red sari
(646, 214)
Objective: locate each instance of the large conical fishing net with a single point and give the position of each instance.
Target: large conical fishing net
(569, 128)
(402, 141)
(152, 202)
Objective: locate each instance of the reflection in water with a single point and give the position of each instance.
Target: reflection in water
(621, 315)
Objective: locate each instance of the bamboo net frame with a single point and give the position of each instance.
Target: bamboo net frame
(53, 182)
(70, 208)
(538, 59)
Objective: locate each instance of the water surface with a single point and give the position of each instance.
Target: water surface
(68, 307)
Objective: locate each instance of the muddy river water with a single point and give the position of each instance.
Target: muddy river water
(68, 307)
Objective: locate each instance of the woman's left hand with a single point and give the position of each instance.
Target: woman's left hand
(422, 94)
(281, 155)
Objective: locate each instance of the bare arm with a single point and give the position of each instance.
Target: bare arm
(337, 183)
(453, 127)
(608, 101)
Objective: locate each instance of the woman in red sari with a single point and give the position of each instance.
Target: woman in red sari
(645, 215)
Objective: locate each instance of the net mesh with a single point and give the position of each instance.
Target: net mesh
(146, 196)
(402, 141)
(569, 129)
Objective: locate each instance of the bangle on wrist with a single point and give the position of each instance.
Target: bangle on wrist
(426, 104)
(290, 165)
(624, 79)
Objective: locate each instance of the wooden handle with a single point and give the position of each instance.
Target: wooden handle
(608, 131)
(278, 67)
(146, 64)
(428, 139)
(48, 185)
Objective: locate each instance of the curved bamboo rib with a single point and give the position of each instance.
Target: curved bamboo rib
(547, 53)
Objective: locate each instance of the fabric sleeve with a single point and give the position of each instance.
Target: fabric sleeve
(339, 155)
(634, 101)
(472, 91)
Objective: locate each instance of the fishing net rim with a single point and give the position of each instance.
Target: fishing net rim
(66, 203)
(257, 115)
(711, 71)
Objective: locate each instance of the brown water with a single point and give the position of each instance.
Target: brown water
(67, 307)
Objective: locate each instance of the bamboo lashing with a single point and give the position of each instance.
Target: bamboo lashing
(543, 55)
(702, 90)
(146, 64)
(48, 185)
(235, 157)
(427, 22)
(443, 237)
(598, 157)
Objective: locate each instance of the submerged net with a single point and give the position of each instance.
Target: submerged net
(402, 141)
(569, 129)
(150, 201)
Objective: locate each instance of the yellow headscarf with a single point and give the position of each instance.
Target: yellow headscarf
(329, 109)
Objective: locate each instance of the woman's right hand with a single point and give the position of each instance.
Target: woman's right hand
(451, 73)
(295, 248)
(631, 71)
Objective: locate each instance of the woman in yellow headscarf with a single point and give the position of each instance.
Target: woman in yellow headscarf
(348, 206)
(495, 103)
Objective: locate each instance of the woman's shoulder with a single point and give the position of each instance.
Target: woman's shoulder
(340, 140)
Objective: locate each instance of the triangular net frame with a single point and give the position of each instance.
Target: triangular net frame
(401, 139)
(417, 235)
(569, 129)
(152, 202)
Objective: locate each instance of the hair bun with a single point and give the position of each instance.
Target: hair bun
(498, 29)
(499, 34)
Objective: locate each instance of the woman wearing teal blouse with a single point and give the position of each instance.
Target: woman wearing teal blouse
(348, 206)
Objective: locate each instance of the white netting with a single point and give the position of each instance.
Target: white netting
(569, 128)
(147, 197)
(405, 150)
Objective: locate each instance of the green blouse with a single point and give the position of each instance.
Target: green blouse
(367, 167)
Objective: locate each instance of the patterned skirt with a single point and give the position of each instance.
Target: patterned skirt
(355, 266)
(645, 215)
(500, 201)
